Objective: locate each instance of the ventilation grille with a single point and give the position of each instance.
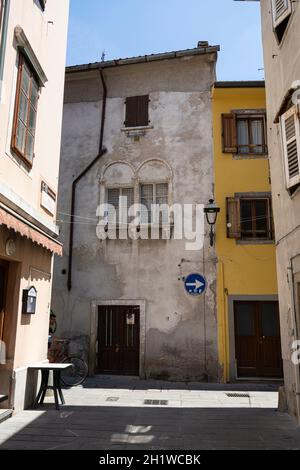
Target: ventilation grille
(238, 395)
(156, 402)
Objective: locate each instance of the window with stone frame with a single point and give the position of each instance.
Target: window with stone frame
(25, 115)
(137, 111)
(244, 133)
(250, 218)
(119, 201)
(154, 194)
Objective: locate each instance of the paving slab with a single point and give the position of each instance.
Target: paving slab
(196, 416)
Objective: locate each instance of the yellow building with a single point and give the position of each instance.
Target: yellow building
(248, 335)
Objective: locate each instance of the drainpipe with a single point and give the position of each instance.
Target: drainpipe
(3, 41)
(101, 152)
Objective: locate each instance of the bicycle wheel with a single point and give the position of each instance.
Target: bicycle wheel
(75, 375)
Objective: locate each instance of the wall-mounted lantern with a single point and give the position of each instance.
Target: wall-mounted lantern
(211, 211)
(29, 301)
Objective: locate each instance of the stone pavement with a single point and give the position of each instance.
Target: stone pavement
(127, 413)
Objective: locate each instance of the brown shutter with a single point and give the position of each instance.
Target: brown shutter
(143, 110)
(233, 218)
(131, 111)
(229, 133)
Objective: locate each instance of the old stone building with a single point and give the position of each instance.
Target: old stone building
(141, 128)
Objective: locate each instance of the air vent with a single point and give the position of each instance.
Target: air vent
(238, 395)
(156, 402)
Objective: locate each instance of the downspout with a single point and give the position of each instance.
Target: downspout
(3, 42)
(101, 152)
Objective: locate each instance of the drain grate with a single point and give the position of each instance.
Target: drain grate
(112, 399)
(156, 402)
(238, 395)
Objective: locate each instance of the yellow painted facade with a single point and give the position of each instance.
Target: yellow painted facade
(243, 269)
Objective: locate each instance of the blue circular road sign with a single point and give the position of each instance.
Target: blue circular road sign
(195, 284)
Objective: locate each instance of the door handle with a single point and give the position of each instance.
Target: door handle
(117, 348)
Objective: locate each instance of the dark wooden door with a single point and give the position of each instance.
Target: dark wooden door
(257, 339)
(118, 340)
(3, 283)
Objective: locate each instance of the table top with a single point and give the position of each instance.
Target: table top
(50, 366)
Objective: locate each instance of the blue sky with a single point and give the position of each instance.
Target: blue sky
(126, 28)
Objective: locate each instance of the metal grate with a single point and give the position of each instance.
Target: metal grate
(238, 395)
(112, 399)
(156, 402)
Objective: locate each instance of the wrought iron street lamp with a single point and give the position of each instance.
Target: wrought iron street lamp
(211, 210)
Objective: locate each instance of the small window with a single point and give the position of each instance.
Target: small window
(154, 194)
(282, 10)
(251, 135)
(249, 218)
(24, 126)
(244, 134)
(290, 126)
(137, 111)
(119, 201)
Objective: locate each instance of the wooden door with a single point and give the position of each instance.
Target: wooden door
(257, 339)
(118, 340)
(270, 357)
(3, 284)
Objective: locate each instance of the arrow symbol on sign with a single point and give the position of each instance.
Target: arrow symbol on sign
(196, 284)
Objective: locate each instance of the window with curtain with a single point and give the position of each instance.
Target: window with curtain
(154, 194)
(24, 125)
(251, 135)
(119, 201)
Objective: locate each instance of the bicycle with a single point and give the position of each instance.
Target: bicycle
(59, 353)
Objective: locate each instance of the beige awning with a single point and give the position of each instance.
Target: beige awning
(28, 231)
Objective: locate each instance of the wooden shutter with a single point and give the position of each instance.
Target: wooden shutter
(281, 10)
(229, 133)
(291, 146)
(131, 111)
(142, 111)
(137, 111)
(233, 218)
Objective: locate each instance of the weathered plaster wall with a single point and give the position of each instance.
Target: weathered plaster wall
(181, 331)
(282, 68)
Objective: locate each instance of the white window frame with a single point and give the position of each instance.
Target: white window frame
(293, 111)
(154, 184)
(277, 20)
(120, 189)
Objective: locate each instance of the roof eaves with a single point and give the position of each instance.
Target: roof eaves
(142, 59)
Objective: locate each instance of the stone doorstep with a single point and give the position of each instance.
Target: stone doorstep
(5, 414)
(3, 398)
